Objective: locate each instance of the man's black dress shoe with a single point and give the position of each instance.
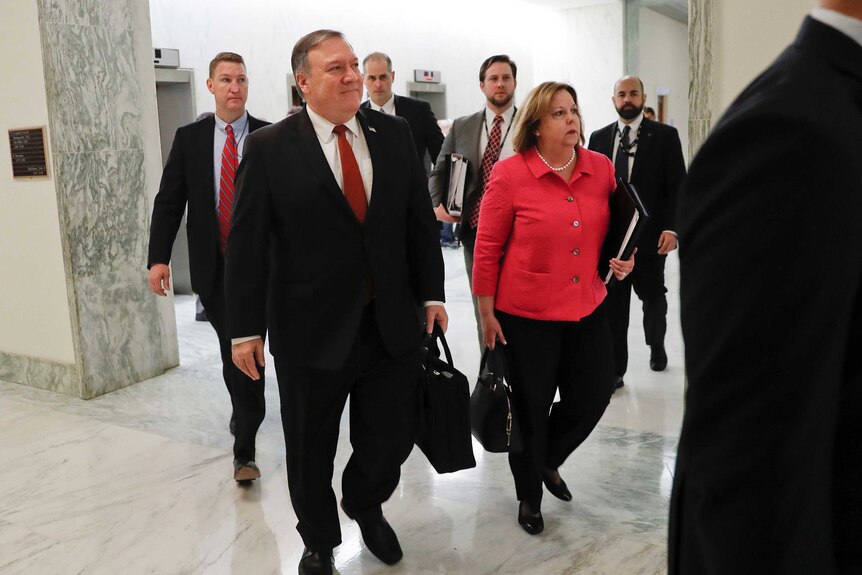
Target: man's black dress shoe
(657, 358)
(559, 490)
(244, 472)
(378, 535)
(232, 424)
(316, 562)
(531, 523)
(618, 383)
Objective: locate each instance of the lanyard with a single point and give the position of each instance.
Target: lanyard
(633, 144)
(509, 127)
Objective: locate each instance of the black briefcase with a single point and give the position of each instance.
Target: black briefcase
(491, 416)
(444, 410)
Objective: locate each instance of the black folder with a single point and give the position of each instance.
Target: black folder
(628, 218)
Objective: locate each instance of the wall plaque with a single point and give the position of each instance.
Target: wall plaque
(29, 158)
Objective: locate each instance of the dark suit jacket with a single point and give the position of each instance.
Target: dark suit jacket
(188, 180)
(769, 470)
(427, 135)
(658, 170)
(320, 251)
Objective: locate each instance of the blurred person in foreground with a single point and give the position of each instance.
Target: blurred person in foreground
(769, 470)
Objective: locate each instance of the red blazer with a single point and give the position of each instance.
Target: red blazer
(539, 238)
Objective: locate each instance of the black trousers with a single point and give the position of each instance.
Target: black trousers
(647, 279)
(246, 395)
(383, 414)
(543, 356)
(468, 242)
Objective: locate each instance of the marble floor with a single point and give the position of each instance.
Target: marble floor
(140, 480)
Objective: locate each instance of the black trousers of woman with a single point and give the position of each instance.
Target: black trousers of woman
(543, 356)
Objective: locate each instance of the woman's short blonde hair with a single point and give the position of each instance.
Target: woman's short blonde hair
(537, 105)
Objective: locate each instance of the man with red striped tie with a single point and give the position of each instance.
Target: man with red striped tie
(483, 139)
(200, 174)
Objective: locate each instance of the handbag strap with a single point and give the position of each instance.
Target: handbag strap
(496, 363)
(430, 344)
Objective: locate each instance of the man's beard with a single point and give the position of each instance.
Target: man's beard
(630, 112)
(501, 100)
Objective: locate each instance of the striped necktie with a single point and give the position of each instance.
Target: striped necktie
(226, 187)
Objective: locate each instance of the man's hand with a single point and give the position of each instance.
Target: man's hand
(444, 216)
(666, 243)
(436, 313)
(159, 278)
(247, 356)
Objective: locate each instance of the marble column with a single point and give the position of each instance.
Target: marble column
(104, 145)
(701, 72)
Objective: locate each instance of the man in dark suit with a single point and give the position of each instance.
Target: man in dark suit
(769, 470)
(379, 76)
(198, 175)
(337, 203)
(469, 136)
(650, 157)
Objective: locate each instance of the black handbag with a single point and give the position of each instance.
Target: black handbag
(491, 417)
(444, 409)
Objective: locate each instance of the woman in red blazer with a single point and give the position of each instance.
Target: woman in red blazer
(543, 218)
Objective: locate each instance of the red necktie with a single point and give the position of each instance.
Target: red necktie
(354, 190)
(489, 158)
(226, 189)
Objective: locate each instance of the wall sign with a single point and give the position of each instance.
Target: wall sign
(29, 157)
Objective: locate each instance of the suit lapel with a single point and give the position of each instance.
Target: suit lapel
(606, 141)
(645, 149)
(475, 134)
(310, 148)
(205, 151)
(378, 187)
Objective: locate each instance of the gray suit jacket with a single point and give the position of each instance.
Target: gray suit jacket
(465, 137)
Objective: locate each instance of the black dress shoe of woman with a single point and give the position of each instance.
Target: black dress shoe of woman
(556, 485)
(530, 522)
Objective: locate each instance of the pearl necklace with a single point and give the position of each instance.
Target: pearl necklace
(561, 168)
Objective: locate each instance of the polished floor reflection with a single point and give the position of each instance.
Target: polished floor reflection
(140, 480)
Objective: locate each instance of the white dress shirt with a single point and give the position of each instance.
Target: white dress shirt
(634, 127)
(506, 132)
(329, 144)
(387, 108)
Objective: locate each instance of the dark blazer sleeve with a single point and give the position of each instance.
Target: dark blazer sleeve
(766, 345)
(674, 173)
(602, 141)
(433, 134)
(170, 203)
(246, 281)
(423, 238)
(435, 179)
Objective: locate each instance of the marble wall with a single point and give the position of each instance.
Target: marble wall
(34, 310)
(100, 92)
(700, 69)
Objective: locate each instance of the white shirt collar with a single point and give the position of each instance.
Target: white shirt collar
(507, 115)
(634, 126)
(847, 25)
(238, 125)
(323, 127)
(388, 107)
